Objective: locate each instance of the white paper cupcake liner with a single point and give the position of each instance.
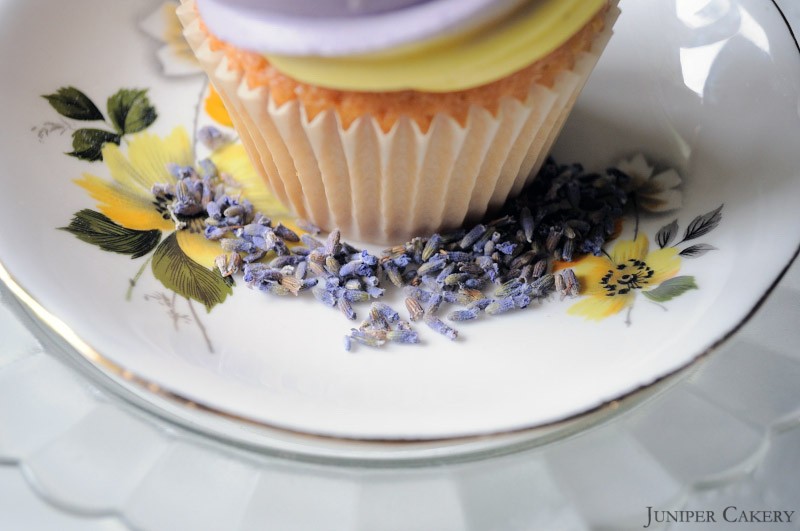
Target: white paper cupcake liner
(385, 187)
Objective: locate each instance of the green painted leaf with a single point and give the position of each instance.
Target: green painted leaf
(669, 289)
(72, 103)
(87, 144)
(186, 277)
(130, 111)
(97, 229)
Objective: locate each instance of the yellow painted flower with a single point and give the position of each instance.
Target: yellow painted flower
(215, 108)
(128, 201)
(610, 282)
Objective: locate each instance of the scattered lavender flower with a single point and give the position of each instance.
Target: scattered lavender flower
(563, 213)
(212, 138)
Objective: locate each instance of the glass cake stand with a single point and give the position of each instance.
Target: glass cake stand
(86, 448)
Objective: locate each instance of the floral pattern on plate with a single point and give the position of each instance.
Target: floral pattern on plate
(610, 282)
(129, 219)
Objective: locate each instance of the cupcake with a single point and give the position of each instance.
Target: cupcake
(390, 119)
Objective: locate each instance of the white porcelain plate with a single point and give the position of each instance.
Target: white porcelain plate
(710, 88)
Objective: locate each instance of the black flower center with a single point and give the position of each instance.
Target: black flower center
(633, 274)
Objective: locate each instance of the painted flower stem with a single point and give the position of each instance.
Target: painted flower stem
(197, 110)
(628, 320)
(199, 324)
(132, 282)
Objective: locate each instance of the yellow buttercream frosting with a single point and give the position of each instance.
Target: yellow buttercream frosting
(454, 63)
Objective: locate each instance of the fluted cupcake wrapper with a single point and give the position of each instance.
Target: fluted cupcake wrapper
(385, 187)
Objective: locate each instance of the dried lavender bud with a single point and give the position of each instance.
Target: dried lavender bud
(464, 315)
(540, 268)
(394, 252)
(439, 326)
(553, 238)
(471, 269)
(480, 305)
(212, 138)
(235, 245)
(526, 275)
(181, 172)
(350, 268)
(376, 320)
(414, 308)
(366, 339)
(375, 333)
(402, 260)
(286, 233)
(432, 246)
(354, 295)
(541, 287)
(374, 292)
(476, 283)
(276, 289)
(386, 311)
(526, 221)
(568, 251)
(571, 284)
(434, 264)
(346, 308)
(459, 256)
(522, 260)
(324, 296)
(371, 281)
(394, 275)
(417, 246)
(507, 248)
(561, 286)
(406, 337)
(309, 283)
(333, 243)
(472, 236)
(416, 293)
(332, 265)
(233, 210)
(444, 273)
(283, 261)
(292, 284)
(433, 305)
(429, 283)
(228, 264)
(521, 301)
(456, 278)
(500, 306)
(353, 283)
(316, 268)
(214, 233)
(509, 288)
(254, 229)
